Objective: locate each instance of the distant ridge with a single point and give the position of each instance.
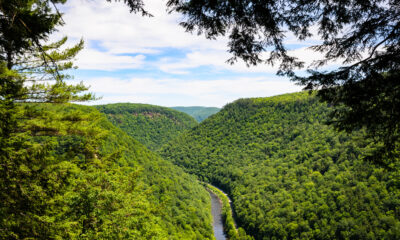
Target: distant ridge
(198, 112)
(151, 125)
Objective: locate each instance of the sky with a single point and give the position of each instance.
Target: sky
(130, 58)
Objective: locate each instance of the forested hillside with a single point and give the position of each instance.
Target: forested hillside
(289, 175)
(199, 113)
(100, 183)
(151, 125)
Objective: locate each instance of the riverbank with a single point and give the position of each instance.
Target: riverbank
(229, 225)
(216, 212)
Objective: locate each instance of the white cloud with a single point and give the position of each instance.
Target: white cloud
(121, 31)
(217, 59)
(173, 92)
(109, 29)
(118, 40)
(96, 60)
(117, 31)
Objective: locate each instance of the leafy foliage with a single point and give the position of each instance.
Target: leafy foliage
(289, 175)
(346, 28)
(31, 179)
(65, 171)
(199, 113)
(375, 109)
(178, 205)
(363, 35)
(101, 185)
(151, 125)
(23, 25)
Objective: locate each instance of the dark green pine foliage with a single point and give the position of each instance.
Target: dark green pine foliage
(32, 180)
(289, 175)
(151, 125)
(362, 36)
(106, 185)
(65, 171)
(199, 113)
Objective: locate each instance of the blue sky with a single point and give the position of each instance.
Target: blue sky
(130, 58)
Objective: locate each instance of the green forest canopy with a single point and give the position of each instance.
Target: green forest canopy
(64, 173)
(291, 176)
(363, 37)
(151, 125)
(123, 191)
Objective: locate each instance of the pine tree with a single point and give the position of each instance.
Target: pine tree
(32, 178)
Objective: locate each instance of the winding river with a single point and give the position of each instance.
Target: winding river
(218, 226)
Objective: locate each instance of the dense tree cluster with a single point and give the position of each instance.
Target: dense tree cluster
(65, 171)
(31, 71)
(167, 203)
(362, 36)
(199, 113)
(289, 175)
(101, 185)
(151, 125)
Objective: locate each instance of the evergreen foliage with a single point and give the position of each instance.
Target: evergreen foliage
(289, 175)
(363, 36)
(199, 113)
(101, 185)
(65, 171)
(31, 179)
(151, 125)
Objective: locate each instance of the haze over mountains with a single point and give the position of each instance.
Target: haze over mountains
(199, 113)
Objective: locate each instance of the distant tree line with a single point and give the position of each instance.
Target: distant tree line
(151, 125)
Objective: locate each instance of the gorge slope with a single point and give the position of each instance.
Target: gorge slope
(289, 175)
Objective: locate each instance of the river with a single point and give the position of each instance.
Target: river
(218, 226)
